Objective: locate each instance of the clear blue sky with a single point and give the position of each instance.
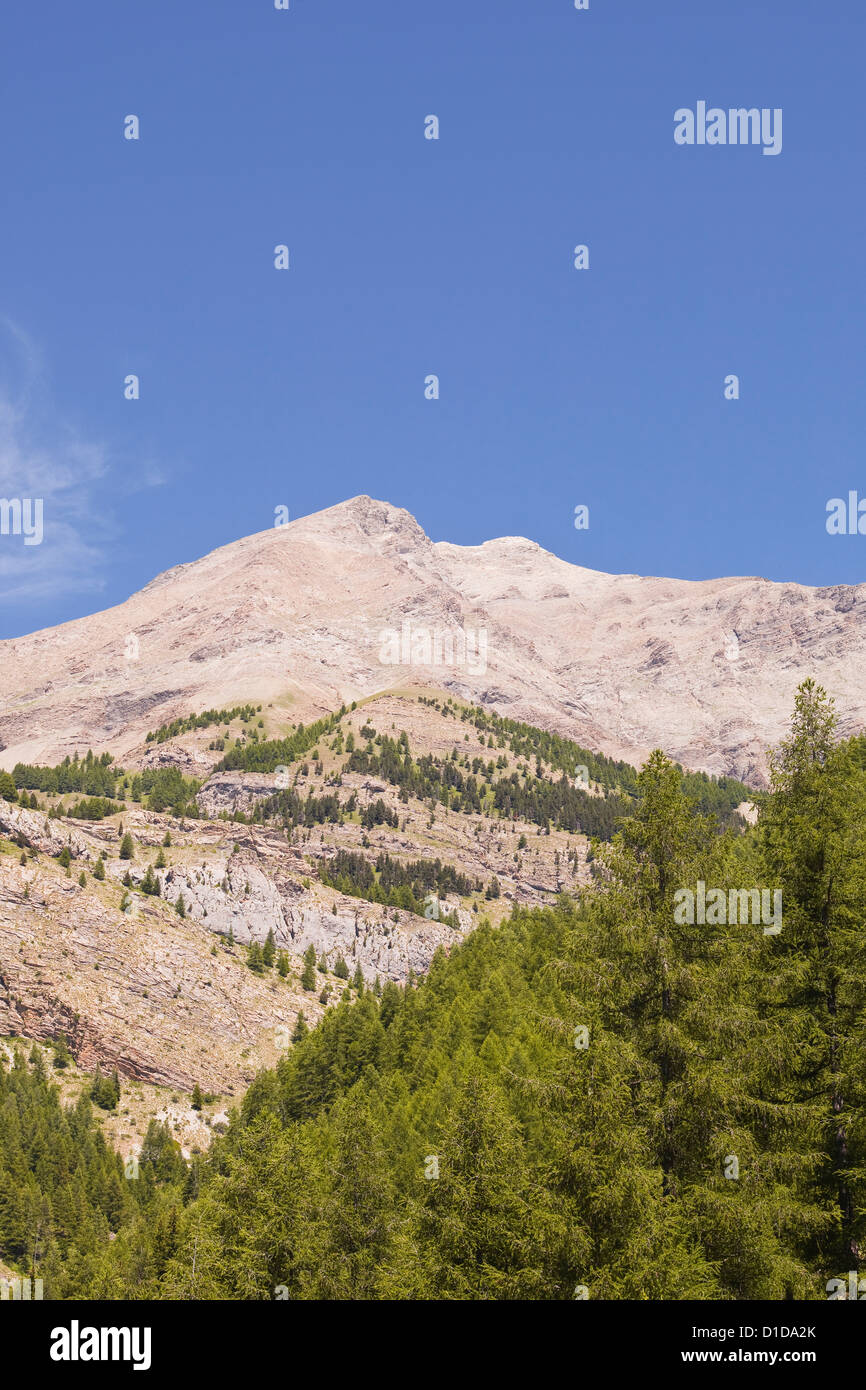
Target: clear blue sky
(408, 257)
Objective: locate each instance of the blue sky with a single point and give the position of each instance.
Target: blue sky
(300, 388)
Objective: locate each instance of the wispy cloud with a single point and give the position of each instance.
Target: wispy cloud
(44, 457)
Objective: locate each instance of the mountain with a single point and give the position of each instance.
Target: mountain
(328, 608)
(326, 761)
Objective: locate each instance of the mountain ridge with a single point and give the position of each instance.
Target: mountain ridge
(295, 616)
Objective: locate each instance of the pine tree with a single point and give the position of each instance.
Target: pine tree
(127, 849)
(269, 950)
(247, 1241)
(308, 977)
(479, 1218)
(672, 989)
(358, 1212)
(105, 1090)
(814, 848)
(150, 884)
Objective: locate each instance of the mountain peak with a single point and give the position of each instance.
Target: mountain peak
(379, 525)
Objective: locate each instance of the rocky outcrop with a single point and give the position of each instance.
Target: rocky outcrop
(33, 830)
(236, 893)
(235, 791)
(140, 992)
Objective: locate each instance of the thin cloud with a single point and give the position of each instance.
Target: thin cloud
(43, 457)
(64, 473)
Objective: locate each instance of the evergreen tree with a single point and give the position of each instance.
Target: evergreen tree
(308, 977)
(150, 884)
(815, 991)
(481, 1220)
(105, 1090)
(358, 1211)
